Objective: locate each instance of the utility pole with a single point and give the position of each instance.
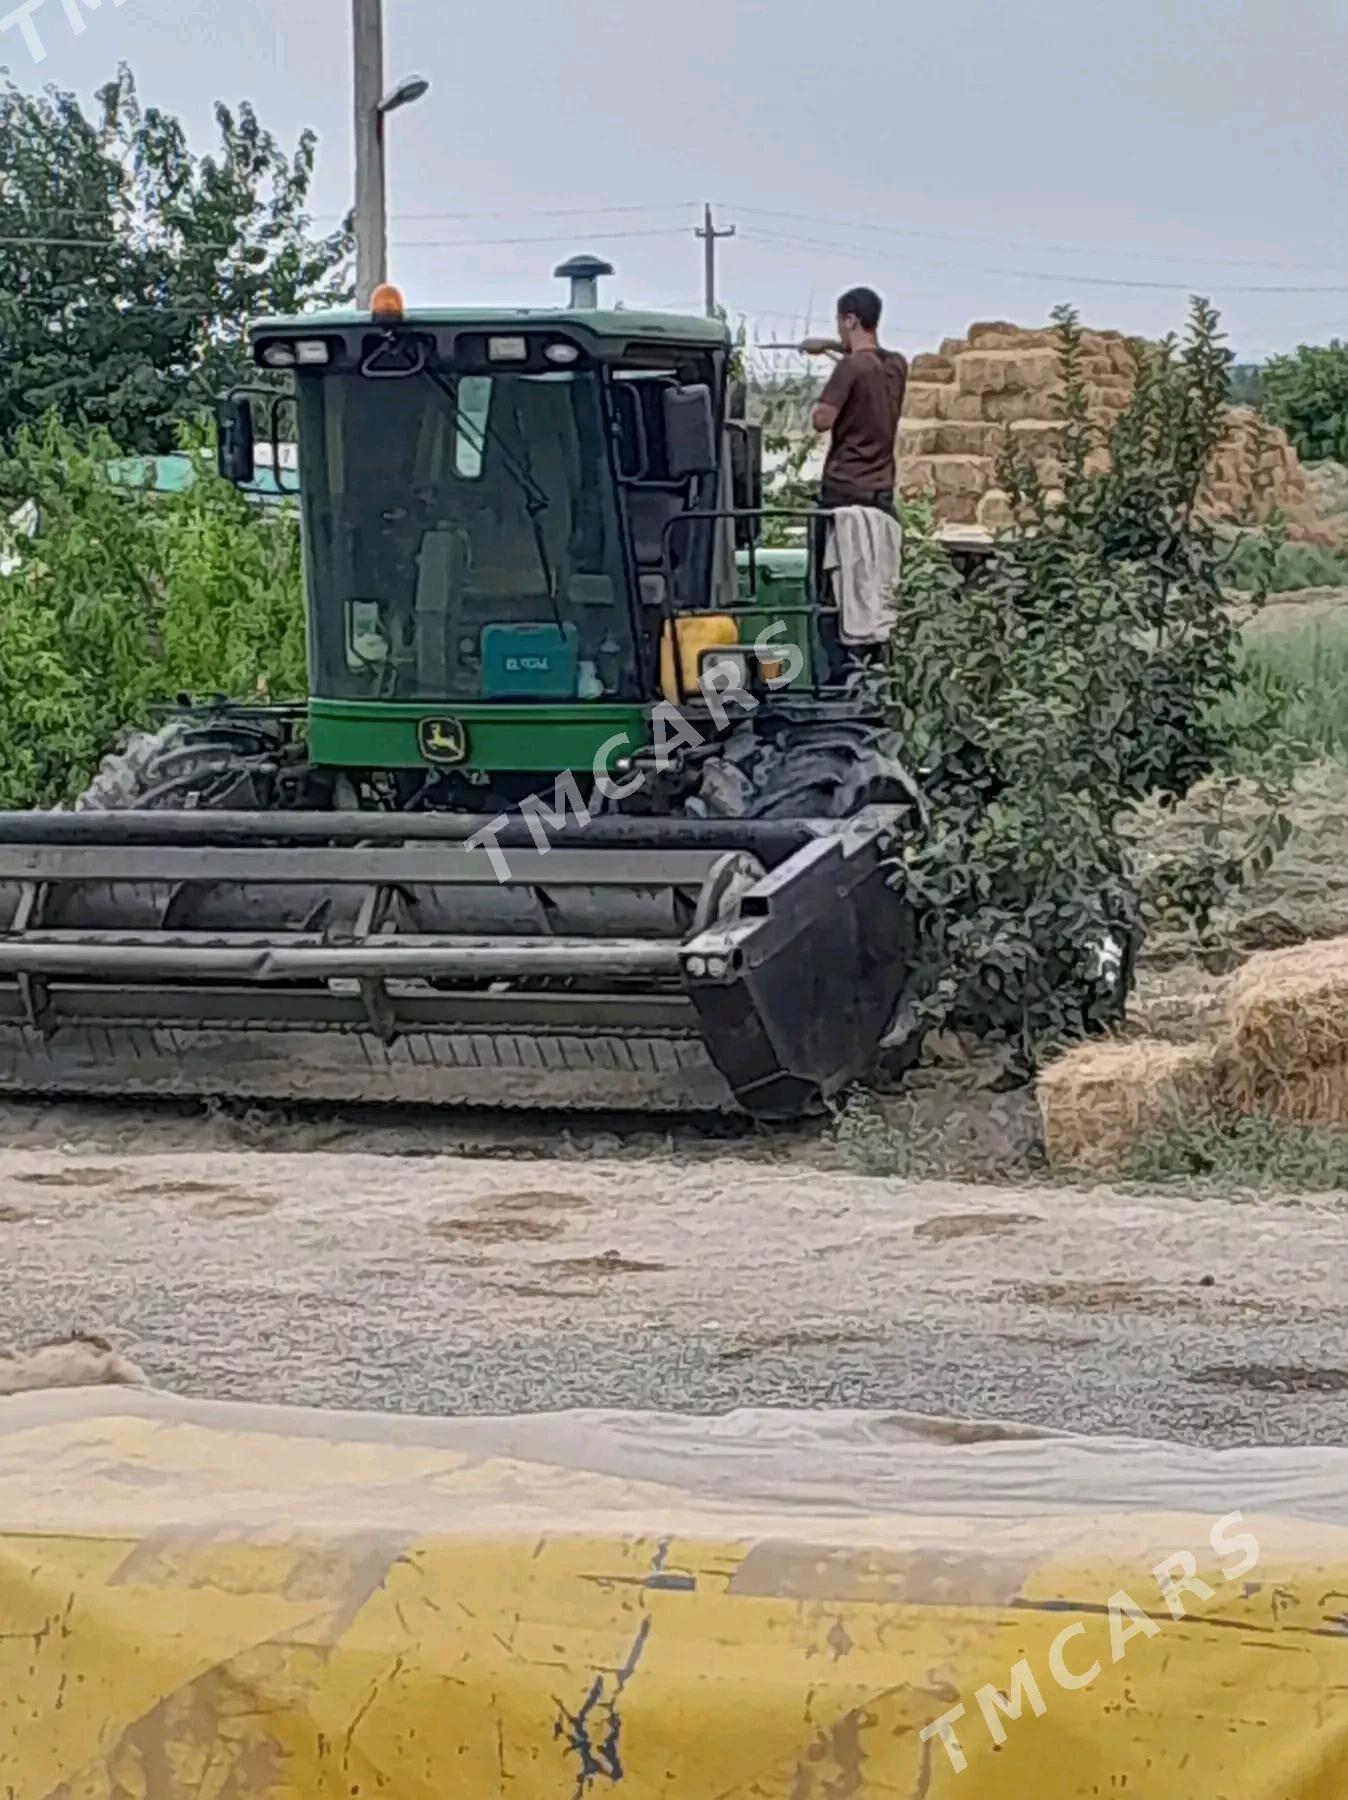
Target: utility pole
(372, 107)
(367, 45)
(709, 234)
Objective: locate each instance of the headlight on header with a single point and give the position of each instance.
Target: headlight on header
(507, 349)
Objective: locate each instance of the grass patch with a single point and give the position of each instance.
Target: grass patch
(1226, 1154)
(1294, 685)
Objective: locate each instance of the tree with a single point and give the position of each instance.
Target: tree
(123, 600)
(1084, 672)
(1307, 394)
(129, 265)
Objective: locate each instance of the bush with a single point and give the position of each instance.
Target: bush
(1256, 566)
(1307, 394)
(1085, 672)
(125, 600)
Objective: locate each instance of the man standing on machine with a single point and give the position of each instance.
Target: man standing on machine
(856, 557)
(859, 407)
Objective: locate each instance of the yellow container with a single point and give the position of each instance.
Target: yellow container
(706, 631)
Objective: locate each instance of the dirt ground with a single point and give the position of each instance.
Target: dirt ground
(467, 1284)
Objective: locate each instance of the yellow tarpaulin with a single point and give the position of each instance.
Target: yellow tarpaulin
(244, 1603)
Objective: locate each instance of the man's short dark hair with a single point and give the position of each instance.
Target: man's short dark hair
(864, 306)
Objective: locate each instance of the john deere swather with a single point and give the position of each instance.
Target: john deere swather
(531, 552)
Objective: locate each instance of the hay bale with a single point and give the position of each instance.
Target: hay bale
(920, 401)
(1008, 371)
(950, 474)
(994, 511)
(965, 437)
(918, 437)
(952, 509)
(1101, 1099)
(1312, 1097)
(1285, 1020)
(996, 334)
(932, 368)
(952, 404)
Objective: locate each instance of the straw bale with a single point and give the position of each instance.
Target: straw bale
(952, 509)
(932, 368)
(951, 403)
(1002, 371)
(996, 334)
(950, 474)
(1286, 1014)
(965, 437)
(920, 400)
(1007, 409)
(918, 437)
(994, 510)
(952, 347)
(1101, 1099)
(1317, 1096)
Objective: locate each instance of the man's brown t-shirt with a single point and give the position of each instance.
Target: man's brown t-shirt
(867, 388)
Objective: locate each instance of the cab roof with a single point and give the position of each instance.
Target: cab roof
(615, 324)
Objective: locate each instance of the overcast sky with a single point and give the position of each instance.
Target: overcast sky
(970, 161)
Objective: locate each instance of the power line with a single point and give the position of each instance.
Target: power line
(791, 240)
(665, 231)
(535, 212)
(1075, 248)
(116, 243)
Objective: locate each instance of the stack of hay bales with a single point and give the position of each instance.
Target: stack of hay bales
(964, 399)
(1278, 1050)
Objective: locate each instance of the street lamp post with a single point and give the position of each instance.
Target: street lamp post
(372, 107)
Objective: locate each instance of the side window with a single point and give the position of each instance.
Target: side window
(474, 408)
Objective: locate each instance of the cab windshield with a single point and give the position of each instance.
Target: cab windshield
(462, 538)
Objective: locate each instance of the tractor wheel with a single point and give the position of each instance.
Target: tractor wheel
(190, 763)
(831, 771)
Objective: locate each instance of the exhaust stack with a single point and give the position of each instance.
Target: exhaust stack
(583, 272)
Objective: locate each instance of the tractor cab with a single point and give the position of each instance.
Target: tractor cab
(501, 510)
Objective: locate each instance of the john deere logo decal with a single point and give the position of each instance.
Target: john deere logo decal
(442, 740)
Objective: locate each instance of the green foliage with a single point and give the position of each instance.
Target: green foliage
(128, 265)
(1226, 1154)
(1246, 384)
(1286, 568)
(123, 601)
(1307, 394)
(782, 406)
(1042, 702)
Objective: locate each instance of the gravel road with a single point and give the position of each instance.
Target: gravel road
(470, 1283)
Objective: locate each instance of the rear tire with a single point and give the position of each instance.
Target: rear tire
(189, 763)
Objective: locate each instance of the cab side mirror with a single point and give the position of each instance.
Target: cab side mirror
(690, 431)
(234, 450)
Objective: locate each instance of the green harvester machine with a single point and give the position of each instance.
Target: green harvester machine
(588, 806)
